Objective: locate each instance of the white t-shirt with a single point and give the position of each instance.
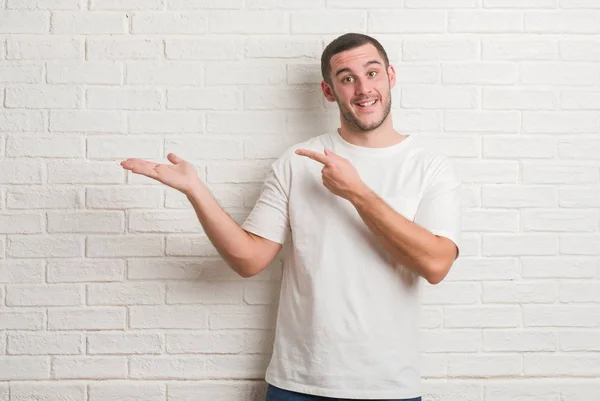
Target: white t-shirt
(348, 319)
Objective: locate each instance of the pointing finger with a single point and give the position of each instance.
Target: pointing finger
(320, 157)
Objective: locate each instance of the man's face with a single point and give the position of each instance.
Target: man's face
(361, 87)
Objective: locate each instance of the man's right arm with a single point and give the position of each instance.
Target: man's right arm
(246, 253)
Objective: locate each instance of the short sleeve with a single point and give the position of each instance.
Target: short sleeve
(440, 207)
(269, 217)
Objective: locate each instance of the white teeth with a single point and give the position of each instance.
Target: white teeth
(367, 104)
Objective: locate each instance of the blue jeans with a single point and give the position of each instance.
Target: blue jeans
(279, 394)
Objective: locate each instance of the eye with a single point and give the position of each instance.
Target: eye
(348, 79)
(372, 73)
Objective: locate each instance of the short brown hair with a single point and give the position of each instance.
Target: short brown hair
(346, 42)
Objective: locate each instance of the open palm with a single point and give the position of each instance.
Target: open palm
(181, 175)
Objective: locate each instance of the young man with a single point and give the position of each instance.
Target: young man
(368, 213)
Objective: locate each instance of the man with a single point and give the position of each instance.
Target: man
(368, 212)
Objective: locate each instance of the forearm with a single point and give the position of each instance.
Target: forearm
(231, 241)
(407, 242)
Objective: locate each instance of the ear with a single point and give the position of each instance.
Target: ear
(392, 74)
(327, 91)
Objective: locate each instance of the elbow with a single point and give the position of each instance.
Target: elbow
(437, 272)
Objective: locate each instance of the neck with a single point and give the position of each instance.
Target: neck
(381, 137)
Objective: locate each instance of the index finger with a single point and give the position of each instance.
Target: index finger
(320, 157)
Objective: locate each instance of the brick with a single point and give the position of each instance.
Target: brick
(482, 316)
(86, 121)
(119, 147)
(484, 365)
(123, 246)
(105, 391)
(286, 47)
(208, 342)
(572, 74)
(523, 49)
(579, 291)
(510, 99)
(206, 4)
(20, 223)
(572, 122)
(88, 72)
(433, 366)
(573, 341)
(42, 295)
(215, 390)
(578, 4)
(167, 368)
(36, 48)
(17, 22)
(431, 318)
(256, 98)
(67, 271)
(439, 3)
(124, 49)
(481, 269)
(236, 366)
(40, 246)
(89, 367)
(123, 99)
(169, 122)
(480, 73)
(51, 147)
(451, 293)
(88, 23)
(439, 98)
(264, 122)
(43, 4)
(261, 292)
(580, 244)
(520, 292)
(44, 344)
(48, 391)
(29, 172)
(190, 246)
(125, 294)
(127, 5)
(90, 222)
(526, 390)
(405, 21)
(19, 121)
(242, 73)
(559, 220)
(257, 317)
(519, 4)
(304, 74)
(483, 121)
(168, 22)
(205, 293)
(86, 318)
(85, 173)
(168, 317)
(523, 147)
(248, 22)
(164, 222)
(580, 100)
(205, 148)
(485, 21)
(453, 389)
(579, 197)
(561, 365)
(50, 198)
(490, 220)
(470, 244)
(565, 21)
(43, 97)
(559, 173)
(124, 343)
(327, 22)
(18, 72)
(561, 267)
(553, 316)
(488, 171)
(123, 197)
(215, 48)
(24, 319)
(204, 99)
(579, 50)
(581, 391)
(24, 368)
(165, 269)
(21, 271)
(519, 245)
(258, 341)
(237, 172)
(439, 50)
(518, 341)
(518, 196)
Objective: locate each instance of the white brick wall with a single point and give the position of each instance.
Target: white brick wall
(109, 288)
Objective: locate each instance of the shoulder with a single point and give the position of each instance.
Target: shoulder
(432, 165)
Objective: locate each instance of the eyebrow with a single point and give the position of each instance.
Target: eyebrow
(368, 63)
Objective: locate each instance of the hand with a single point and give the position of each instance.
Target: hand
(181, 175)
(339, 175)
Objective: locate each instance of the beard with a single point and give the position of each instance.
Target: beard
(350, 117)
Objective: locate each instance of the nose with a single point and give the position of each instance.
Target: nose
(362, 86)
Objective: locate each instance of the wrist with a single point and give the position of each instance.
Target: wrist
(360, 194)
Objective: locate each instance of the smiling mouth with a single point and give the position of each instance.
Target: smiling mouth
(365, 105)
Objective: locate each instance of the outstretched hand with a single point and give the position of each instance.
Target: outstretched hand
(339, 175)
(181, 175)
